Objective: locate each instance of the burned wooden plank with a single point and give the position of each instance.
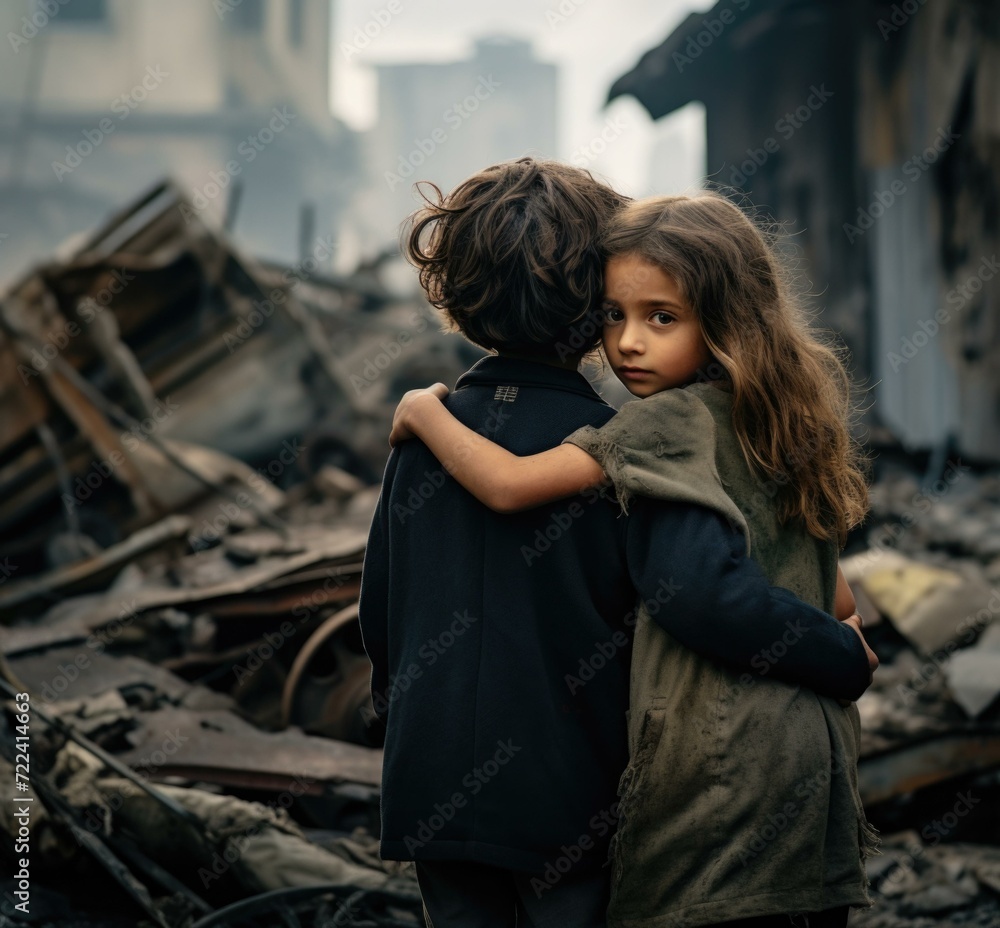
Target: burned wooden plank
(219, 747)
(101, 566)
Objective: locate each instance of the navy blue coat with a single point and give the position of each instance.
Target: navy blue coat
(500, 644)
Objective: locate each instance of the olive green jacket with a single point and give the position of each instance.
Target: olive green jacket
(741, 795)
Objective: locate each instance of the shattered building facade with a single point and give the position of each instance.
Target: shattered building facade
(101, 98)
(874, 128)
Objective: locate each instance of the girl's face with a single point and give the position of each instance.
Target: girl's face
(651, 335)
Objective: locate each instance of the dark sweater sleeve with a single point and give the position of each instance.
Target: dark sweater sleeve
(717, 601)
(373, 602)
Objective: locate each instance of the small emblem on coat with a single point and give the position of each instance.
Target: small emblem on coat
(507, 394)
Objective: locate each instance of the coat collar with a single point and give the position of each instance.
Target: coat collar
(501, 371)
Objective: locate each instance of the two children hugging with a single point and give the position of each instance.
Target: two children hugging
(694, 749)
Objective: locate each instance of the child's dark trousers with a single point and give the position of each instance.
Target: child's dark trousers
(458, 894)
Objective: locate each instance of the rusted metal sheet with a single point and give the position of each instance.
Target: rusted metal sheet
(218, 746)
(917, 764)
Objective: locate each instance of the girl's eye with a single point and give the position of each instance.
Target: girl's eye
(662, 318)
(611, 314)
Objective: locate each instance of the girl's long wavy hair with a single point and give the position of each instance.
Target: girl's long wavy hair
(792, 397)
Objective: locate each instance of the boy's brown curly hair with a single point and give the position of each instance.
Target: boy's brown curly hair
(511, 256)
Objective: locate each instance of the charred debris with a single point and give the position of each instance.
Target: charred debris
(190, 445)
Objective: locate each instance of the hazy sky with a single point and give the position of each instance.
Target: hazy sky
(592, 41)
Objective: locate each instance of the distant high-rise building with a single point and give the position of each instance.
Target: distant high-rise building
(100, 98)
(443, 121)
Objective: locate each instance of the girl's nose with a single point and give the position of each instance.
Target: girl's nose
(630, 340)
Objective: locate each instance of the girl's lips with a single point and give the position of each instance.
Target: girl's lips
(633, 373)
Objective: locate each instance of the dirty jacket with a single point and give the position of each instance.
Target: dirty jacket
(501, 644)
(741, 795)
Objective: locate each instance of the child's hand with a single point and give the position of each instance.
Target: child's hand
(855, 621)
(409, 407)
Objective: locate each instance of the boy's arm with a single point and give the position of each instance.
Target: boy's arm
(720, 604)
(503, 481)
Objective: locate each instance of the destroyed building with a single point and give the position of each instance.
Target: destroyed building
(191, 440)
(231, 98)
(873, 130)
(190, 447)
(187, 477)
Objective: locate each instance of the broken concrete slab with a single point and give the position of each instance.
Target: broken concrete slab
(858, 567)
(973, 674)
(932, 607)
(974, 680)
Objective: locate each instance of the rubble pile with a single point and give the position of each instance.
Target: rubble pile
(233, 678)
(927, 581)
(190, 443)
(921, 885)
